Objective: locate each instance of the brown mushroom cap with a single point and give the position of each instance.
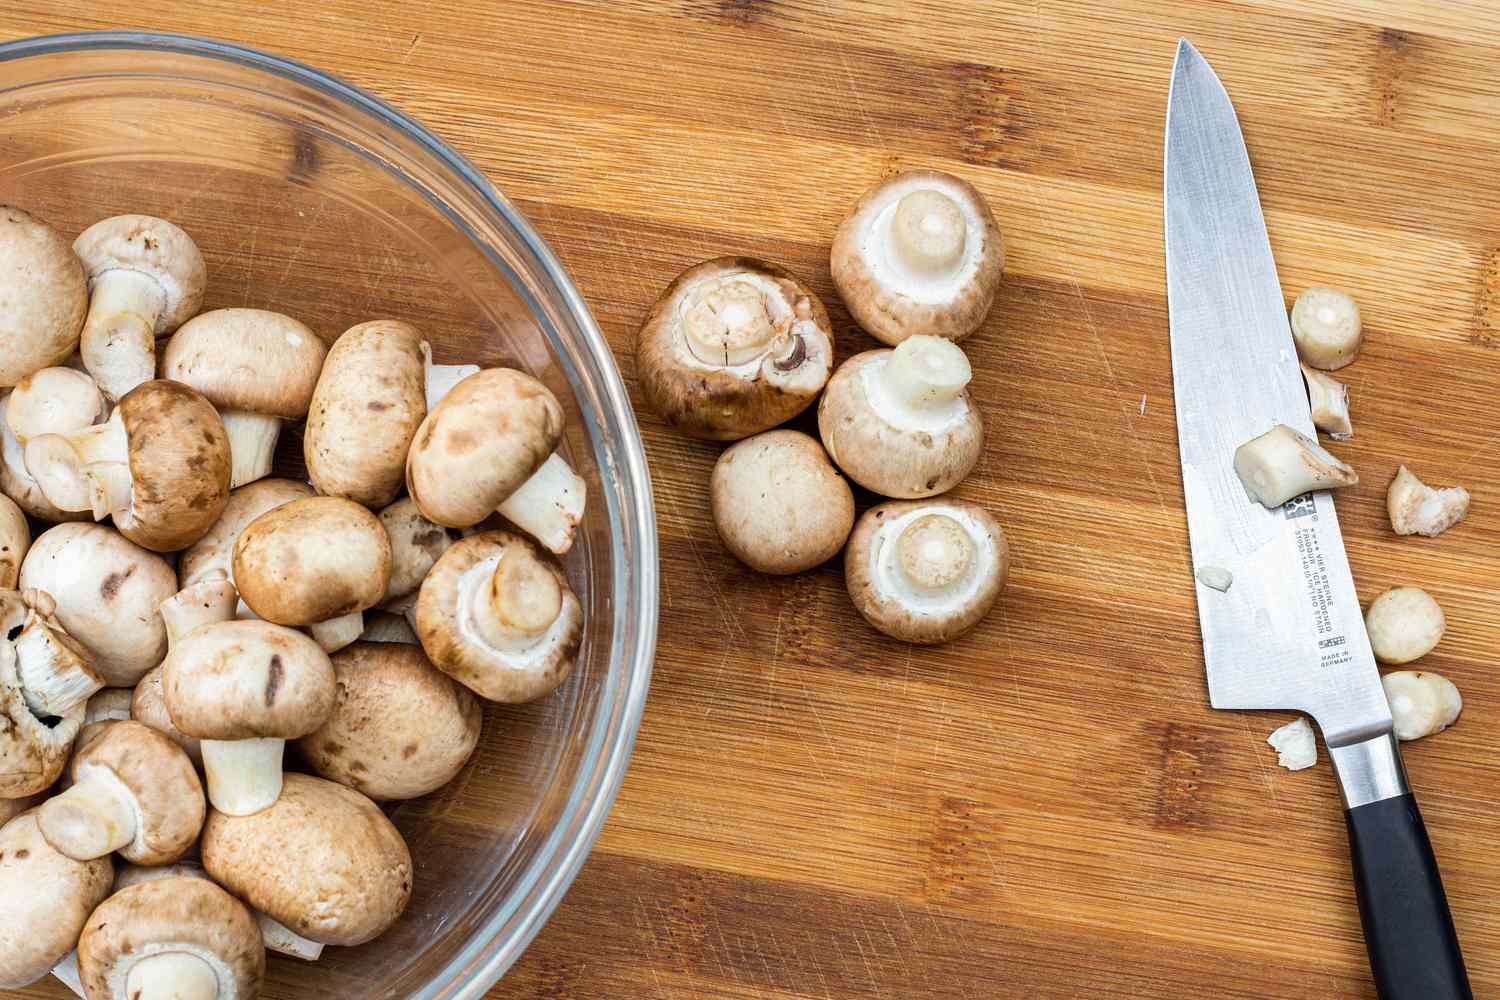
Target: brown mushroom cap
(479, 444)
(241, 680)
(416, 545)
(926, 571)
(247, 359)
(777, 340)
(323, 860)
(179, 466)
(365, 411)
(311, 560)
(153, 247)
(45, 898)
(399, 729)
(148, 706)
(181, 915)
(892, 300)
(32, 753)
(779, 504)
(167, 795)
(107, 590)
(215, 550)
(43, 296)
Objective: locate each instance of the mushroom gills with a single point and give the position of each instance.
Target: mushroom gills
(384, 626)
(95, 817)
(244, 776)
(549, 505)
(928, 559)
(252, 445)
(172, 975)
(118, 344)
(336, 633)
(919, 385)
(87, 469)
(284, 941)
(1282, 463)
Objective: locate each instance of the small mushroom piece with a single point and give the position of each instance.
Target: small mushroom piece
(244, 688)
(133, 791)
(54, 401)
(171, 939)
(1404, 624)
(1326, 327)
(159, 465)
(926, 571)
(1329, 400)
(919, 253)
(312, 560)
(733, 347)
(44, 294)
(1418, 509)
(258, 368)
(779, 504)
(416, 544)
(489, 444)
(32, 751)
(1422, 703)
(15, 539)
(1295, 744)
(1282, 463)
(900, 422)
(324, 861)
(213, 554)
(498, 616)
(400, 727)
(45, 898)
(17, 482)
(1215, 578)
(56, 672)
(108, 705)
(369, 400)
(107, 590)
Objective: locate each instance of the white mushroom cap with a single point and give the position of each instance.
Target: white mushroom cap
(1405, 624)
(43, 296)
(54, 401)
(32, 753)
(1326, 328)
(214, 552)
(926, 571)
(779, 504)
(734, 346)
(1422, 703)
(324, 861)
(45, 898)
(497, 615)
(900, 423)
(107, 590)
(1418, 509)
(312, 560)
(416, 544)
(919, 254)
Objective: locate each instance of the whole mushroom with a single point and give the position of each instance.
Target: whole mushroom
(213, 554)
(734, 346)
(43, 296)
(45, 898)
(779, 505)
(919, 253)
(416, 545)
(146, 278)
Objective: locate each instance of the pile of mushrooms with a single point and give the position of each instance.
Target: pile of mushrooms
(172, 616)
(736, 347)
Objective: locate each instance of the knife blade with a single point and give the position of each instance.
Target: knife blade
(1288, 633)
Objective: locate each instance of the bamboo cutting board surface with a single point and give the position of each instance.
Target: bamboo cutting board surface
(1047, 808)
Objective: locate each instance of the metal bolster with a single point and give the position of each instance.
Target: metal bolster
(1369, 771)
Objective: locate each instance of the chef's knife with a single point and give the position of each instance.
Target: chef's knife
(1288, 633)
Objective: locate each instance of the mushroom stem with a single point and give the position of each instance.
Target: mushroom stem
(86, 469)
(728, 324)
(119, 337)
(283, 940)
(549, 505)
(93, 818)
(924, 374)
(252, 445)
(440, 379)
(1418, 509)
(336, 633)
(202, 603)
(66, 972)
(1329, 400)
(934, 552)
(517, 602)
(244, 776)
(1281, 464)
(172, 975)
(928, 232)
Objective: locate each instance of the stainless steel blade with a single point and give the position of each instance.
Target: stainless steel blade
(1289, 632)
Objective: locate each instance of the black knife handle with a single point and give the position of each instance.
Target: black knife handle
(1414, 951)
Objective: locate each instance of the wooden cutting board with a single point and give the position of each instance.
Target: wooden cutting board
(1047, 808)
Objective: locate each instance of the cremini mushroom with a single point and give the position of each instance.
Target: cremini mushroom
(214, 552)
(1326, 327)
(244, 688)
(926, 571)
(56, 672)
(1329, 400)
(108, 705)
(45, 898)
(15, 539)
(498, 616)
(1295, 744)
(1404, 623)
(900, 422)
(134, 791)
(146, 278)
(43, 296)
(1283, 463)
(734, 346)
(489, 445)
(107, 590)
(159, 465)
(33, 750)
(919, 253)
(323, 861)
(17, 481)
(416, 544)
(259, 368)
(1422, 703)
(779, 505)
(366, 408)
(1418, 509)
(54, 401)
(399, 729)
(171, 939)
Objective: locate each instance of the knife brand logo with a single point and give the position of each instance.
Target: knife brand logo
(1302, 506)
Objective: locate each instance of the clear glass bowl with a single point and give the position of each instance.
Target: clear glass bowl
(312, 198)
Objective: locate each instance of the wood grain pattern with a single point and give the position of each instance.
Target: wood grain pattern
(1046, 808)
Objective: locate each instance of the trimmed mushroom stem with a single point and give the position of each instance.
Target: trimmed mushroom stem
(549, 505)
(518, 602)
(86, 469)
(252, 445)
(172, 975)
(933, 553)
(244, 776)
(118, 344)
(1281, 464)
(1329, 400)
(928, 232)
(441, 379)
(922, 376)
(728, 324)
(284, 941)
(203, 603)
(1422, 703)
(93, 818)
(336, 633)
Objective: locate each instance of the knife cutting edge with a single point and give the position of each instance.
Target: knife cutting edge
(1288, 633)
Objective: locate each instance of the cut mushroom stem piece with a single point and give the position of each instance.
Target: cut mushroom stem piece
(244, 776)
(1422, 703)
(1329, 399)
(924, 375)
(1418, 509)
(1326, 327)
(336, 633)
(519, 602)
(1281, 464)
(1404, 624)
(281, 939)
(56, 674)
(549, 505)
(441, 379)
